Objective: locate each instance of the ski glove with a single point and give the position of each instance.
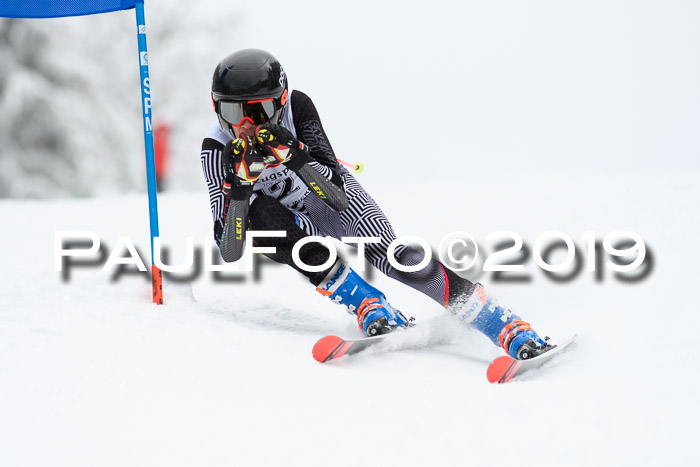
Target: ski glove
(280, 146)
(243, 164)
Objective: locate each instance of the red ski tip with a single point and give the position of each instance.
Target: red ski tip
(502, 369)
(329, 347)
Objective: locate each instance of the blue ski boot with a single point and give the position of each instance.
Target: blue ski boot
(374, 314)
(500, 325)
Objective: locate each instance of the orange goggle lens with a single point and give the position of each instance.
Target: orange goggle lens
(258, 111)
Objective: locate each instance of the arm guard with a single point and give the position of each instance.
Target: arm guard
(329, 192)
(232, 242)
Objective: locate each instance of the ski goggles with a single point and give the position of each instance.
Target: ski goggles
(257, 111)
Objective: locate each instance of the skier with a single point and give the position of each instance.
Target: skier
(265, 160)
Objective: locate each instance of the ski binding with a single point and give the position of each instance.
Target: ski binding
(506, 368)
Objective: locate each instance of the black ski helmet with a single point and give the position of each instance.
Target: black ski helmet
(249, 75)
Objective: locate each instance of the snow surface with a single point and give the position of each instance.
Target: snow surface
(93, 374)
(573, 116)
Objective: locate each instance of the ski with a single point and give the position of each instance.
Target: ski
(331, 347)
(501, 370)
(506, 368)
